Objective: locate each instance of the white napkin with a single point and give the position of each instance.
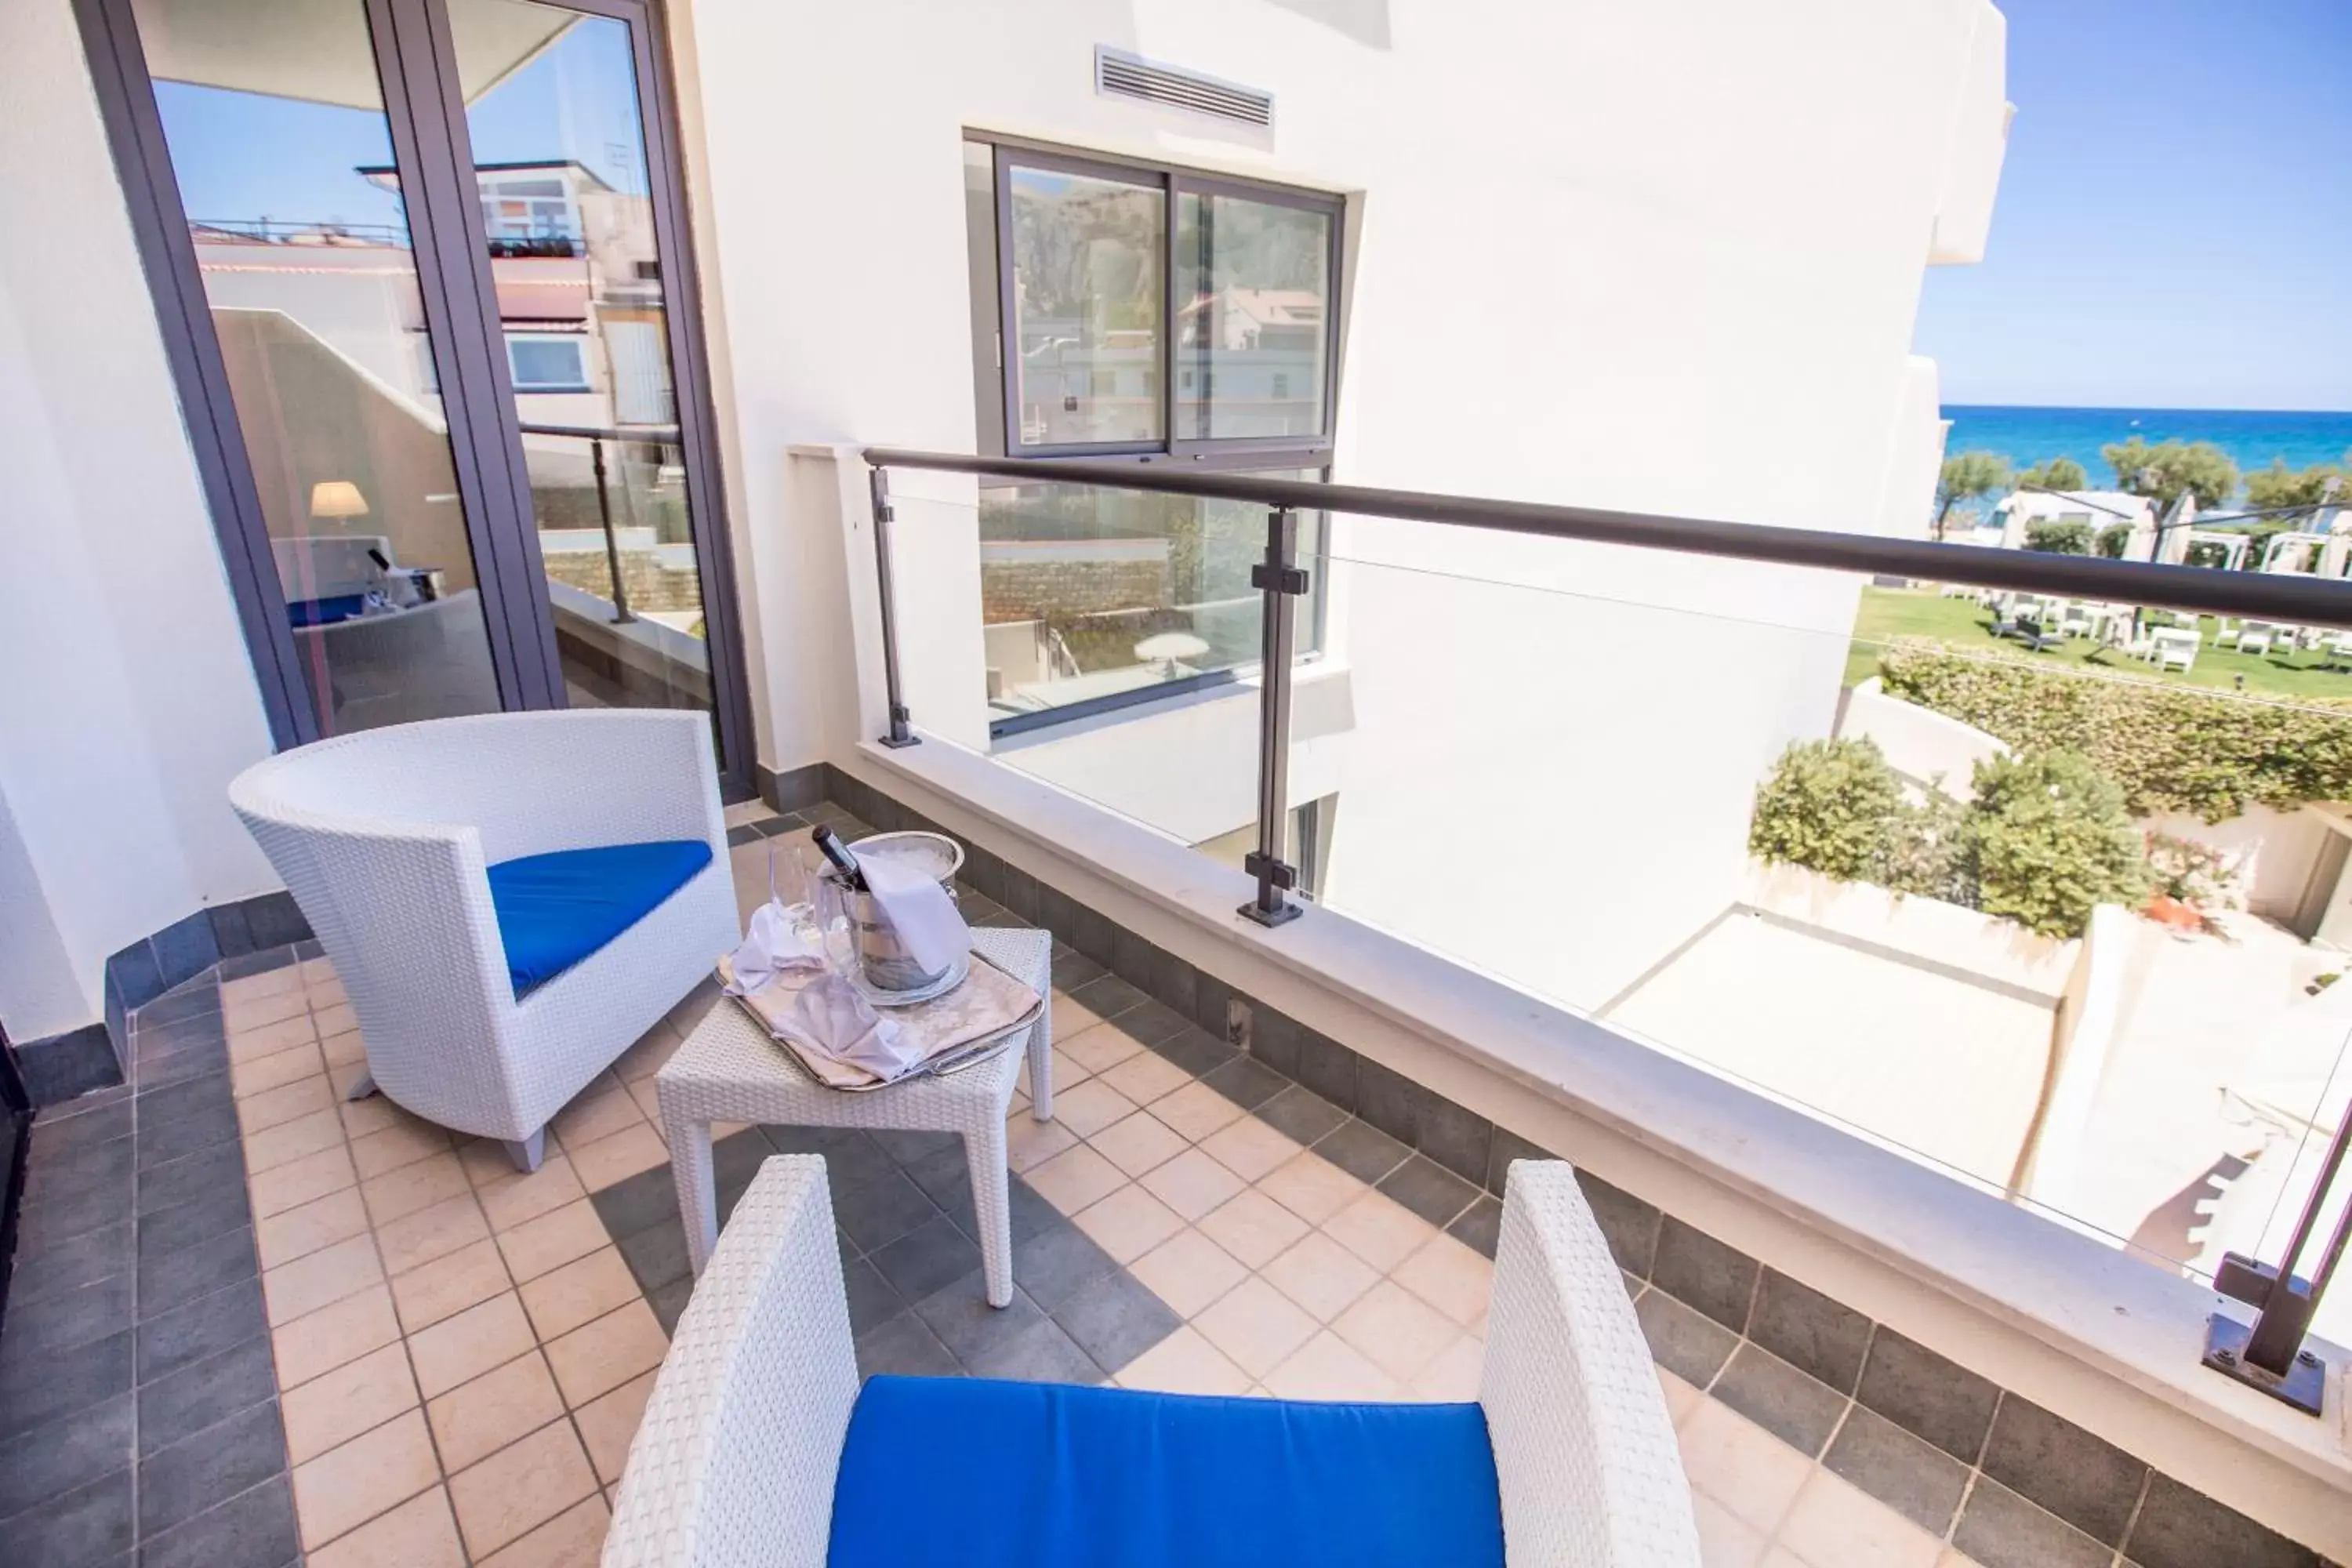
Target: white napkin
(832, 1019)
(770, 946)
(918, 910)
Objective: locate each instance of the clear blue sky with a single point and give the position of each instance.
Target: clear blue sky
(2174, 227)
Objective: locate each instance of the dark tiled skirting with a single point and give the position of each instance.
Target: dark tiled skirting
(2011, 1485)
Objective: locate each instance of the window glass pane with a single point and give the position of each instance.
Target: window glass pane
(1088, 300)
(1089, 594)
(546, 364)
(1254, 291)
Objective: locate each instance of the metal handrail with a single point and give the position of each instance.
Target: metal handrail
(2269, 596)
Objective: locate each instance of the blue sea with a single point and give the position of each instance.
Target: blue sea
(2251, 438)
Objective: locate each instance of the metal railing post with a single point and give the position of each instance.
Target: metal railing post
(2269, 1354)
(1280, 583)
(622, 614)
(877, 484)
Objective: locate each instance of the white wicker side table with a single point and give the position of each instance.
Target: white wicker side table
(728, 1070)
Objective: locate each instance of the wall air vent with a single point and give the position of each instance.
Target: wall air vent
(1122, 74)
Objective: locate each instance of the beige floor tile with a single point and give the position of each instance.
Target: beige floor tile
(636, 1147)
(1327, 1367)
(343, 1049)
(1192, 1184)
(1401, 1333)
(1072, 1019)
(1834, 1524)
(1029, 1142)
(572, 1539)
(281, 1238)
(517, 1198)
(1076, 1178)
(606, 1353)
(1090, 1106)
(1254, 1228)
(1185, 1363)
(1740, 1465)
(420, 1533)
(1953, 1557)
(1067, 1073)
(1249, 1148)
(291, 1141)
(1098, 1048)
(345, 1080)
(1129, 1223)
(1724, 1541)
(1321, 1276)
(1255, 1326)
(298, 1182)
(335, 1019)
(1196, 1111)
(1188, 1271)
(324, 993)
(274, 1107)
(601, 1110)
(1452, 1278)
(1682, 1399)
(449, 1285)
(268, 983)
(320, 1278)
(486, 1161)
(464, 1345)
(1311, 1187)
(333, 1336)
(374, 1114)
(243, 1015)
(1781, 1557)
(269, 1039)
(1136, 1144)
(476, 1419)
(260, 1074)
(332, 1409)
(1146, 1076)
(520, 1487)
(645, 1095)
(552, 1239)
(1453, 1377)
(579, 1292)
(1380, 1230)
(346, 1486)
(433, 1179)
(416, 1239)
(608, 1423)
(403, 1143)
(317, 970)
(645, 1058)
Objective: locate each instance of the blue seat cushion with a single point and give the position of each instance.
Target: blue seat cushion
(1039, 1475)
(555, 909)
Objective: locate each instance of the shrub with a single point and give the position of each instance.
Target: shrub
(2111, 539)
(2055, 538)
(2051, 839)
(2172, 748)
(1831, 805)
(2196, 874)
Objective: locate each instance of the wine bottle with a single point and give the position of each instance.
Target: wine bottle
(830, 846)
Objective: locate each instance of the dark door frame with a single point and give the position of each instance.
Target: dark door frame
(426, 117)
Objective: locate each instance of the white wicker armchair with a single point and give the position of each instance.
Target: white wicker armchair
(384, 838)
(736, 1461)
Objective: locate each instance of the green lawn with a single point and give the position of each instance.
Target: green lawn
(1890, 613)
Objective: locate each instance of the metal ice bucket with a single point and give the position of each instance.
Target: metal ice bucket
(887, 964)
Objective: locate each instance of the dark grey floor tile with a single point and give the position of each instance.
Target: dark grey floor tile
(190, 1177)
(1116, 1319)
(905, 1346)
(927, 1259)
(1041, 1353)
(1800, 1410)
(1246, 1081)
(1073, 969)
(1391, 1102)
(669, 1302)
(908, 1148)
(81, 1105)
(190, 999)
(1694, 1348)
(1328, 1067)
(260, 961)
(871, 1299)
(1176, 983)
(54, 1386)
(879, 1212)
(1459, 1140)
(37, 1330)
(65, 1454)
(69, 1263)
(738, 837)
(179, 1069)
(636, 1203)
(1362, 1149)
(1031, 1214)
(1053, 1264)
(152, 1040)
(955, 1200)
(2000, 1529)
(2178, 1528)
(737, 1158)
(1719, 1280)
(1107, 996)
(1481, 1225)
(1428, 1189)
(62, 1216)
(204, 1327)
(850, 1156)
(1911, 1475)
(1273, 1038)
(1927, 1396)
(1300, 1115)
(102, 1125)
(657, 1255)
(175, 1279)
(204, 1393)
(216, 1214)
(80, 1529)
(182, 1097)
(1628, 1224)
(939, 1173)
(52, 1173)
(962, 1318)
(1808, 1329)
(1197, 1051)
(2088, 1482)
(177, 1483)
(254, 1528)
(208, 1127)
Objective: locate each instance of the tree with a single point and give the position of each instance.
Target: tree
(2168, 470)
(2279, 486)
(2057, 474)
(2113, 539)
(1965, 478)
(2052, 839)
(2056, 537)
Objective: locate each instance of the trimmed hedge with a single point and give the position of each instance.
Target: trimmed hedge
(2172, 748)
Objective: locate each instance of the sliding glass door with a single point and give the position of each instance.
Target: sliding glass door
(423, 268)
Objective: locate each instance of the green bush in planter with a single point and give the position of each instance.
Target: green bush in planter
(1831, 805)
(2051, 839)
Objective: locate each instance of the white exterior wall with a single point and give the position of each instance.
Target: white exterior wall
(130, 701)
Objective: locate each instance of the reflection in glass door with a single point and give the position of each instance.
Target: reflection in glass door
(286, 171)
(575, 258)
